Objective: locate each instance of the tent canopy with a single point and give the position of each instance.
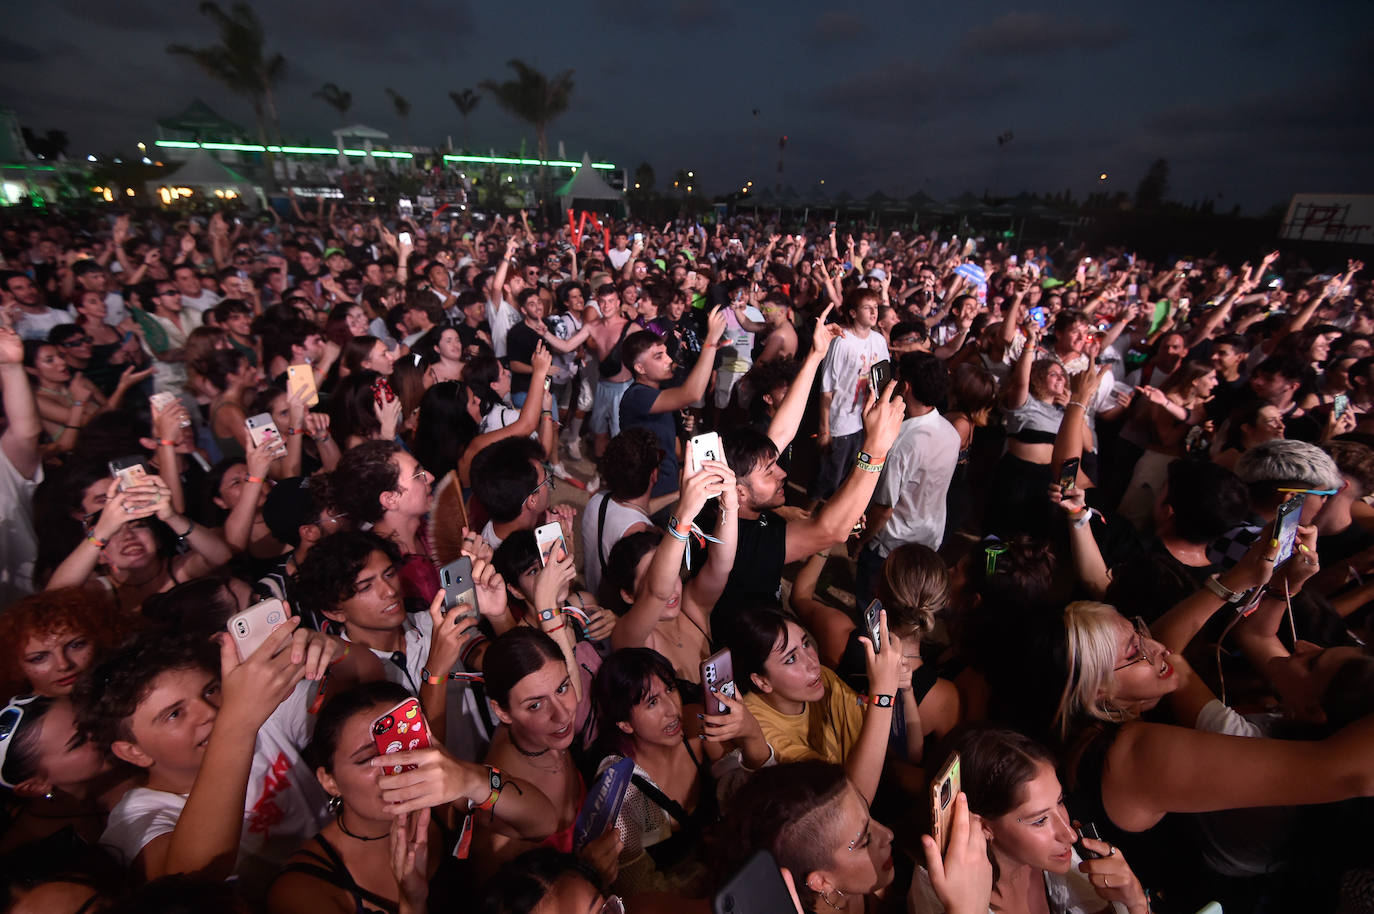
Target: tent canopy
(202, 172)
(586, 184)
(202, 122)
(362, 131)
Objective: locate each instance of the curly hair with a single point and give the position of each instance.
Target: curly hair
(328, 574)
(71, 609)
(629, 463)
(111, 691)
(371, 470)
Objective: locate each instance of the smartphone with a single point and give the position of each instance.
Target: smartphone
(456, 579)
(250, 628)
(1339, 404)
(404, 237)
(703, 447)
(550, 537)
(1012, 260)
(264, 433)
(1068, 475)
(756, 889)
(878, 376)
(1087, 830)
(602, 806)
(639, 236)
(943, 790)
(382, 392)
(1286, 527)
(130, 471)
(162, 400)
(718, 675)
(302, 378)
(873, 625)
(401, 729)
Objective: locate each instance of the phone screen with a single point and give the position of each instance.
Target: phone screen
(1339, 404)
(1286, 527)
(1068, 475)
(873, 625)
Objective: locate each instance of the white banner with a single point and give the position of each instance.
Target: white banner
(1342, 218)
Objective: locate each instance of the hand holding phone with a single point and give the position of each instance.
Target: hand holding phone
(718, 676)
(402, 729)
(1286, 527)
(456, 580)
(943, 790)
(549, 537)
(1068, 475)
(251, 628)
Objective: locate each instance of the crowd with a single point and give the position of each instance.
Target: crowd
(844, 506)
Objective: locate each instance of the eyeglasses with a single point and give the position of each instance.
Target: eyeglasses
(77, 341)
(1142, 637)
(168, 292)
(1310, 491)
(9, 724)
(550, 480)
(612, 905)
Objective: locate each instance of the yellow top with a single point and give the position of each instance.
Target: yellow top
(826, 730)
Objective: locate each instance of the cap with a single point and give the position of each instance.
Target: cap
(878, 274)
(290, 504)
(330, 252)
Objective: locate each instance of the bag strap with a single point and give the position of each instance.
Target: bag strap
(664, 802)
(601, 529)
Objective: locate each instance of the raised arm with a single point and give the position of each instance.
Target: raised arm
(20, 439)
(1017, 387)
(831, 524)
(864, 763)
(524, 425)
(662, 578)
(788, 418)
(693, 388)
(701, 592)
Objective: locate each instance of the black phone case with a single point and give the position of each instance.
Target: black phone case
(756, 889)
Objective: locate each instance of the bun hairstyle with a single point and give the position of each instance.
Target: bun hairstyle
(913, 587)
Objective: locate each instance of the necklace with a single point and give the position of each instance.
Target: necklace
(344, 828)
(65, 394)
(523, 752)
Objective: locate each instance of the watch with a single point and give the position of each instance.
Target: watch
(1214, 584)
(880, 701)
(546, 615)
(494, 778)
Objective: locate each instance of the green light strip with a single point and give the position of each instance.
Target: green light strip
(503, 160)
(378, 153)
(30, 167)
(289, 150)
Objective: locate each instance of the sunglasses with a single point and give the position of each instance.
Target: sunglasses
(76, 341)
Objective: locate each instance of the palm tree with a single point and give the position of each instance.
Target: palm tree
(402, 106)
(467, 102)
(241, 64)
(536, 99)
(335, 98)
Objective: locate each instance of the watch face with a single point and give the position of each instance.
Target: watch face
(495, 780)
(545, 614)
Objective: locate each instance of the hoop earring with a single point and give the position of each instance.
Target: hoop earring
(825, 898)
(334, 805)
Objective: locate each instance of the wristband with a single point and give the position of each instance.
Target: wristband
(190, 525)
(880, 701)
(97, 542)
(1214, 584)
(866, 463)
(495, 780)
(340, 658)
(1082, 406)
(252, 479)
(167, 442)
(294, 431)
(547, 615)
(430, 677)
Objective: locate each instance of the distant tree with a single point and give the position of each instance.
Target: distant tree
(467, 102)
(1149, 194)
(402, 106)
(241, 63)
(51, 145)
(335, 98)
(644, 177)
(535, 99)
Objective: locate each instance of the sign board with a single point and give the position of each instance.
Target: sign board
(1341, 218)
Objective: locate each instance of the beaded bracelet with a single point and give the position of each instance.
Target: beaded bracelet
(97, 542)
(167, 442)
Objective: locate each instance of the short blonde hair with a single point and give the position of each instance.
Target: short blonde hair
(1090, 633)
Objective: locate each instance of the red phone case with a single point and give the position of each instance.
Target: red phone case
(382, 392)
(401, 729)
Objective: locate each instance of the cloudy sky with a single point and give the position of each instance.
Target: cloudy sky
(1250, 102)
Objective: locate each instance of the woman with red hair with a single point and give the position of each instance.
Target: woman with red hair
(48, 639)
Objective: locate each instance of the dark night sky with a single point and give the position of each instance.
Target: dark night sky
(1251, 101)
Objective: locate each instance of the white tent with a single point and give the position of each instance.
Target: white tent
(205, 175)
(587, 185)
(359, 136)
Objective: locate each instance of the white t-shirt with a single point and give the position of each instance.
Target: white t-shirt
(284, 805)
(845, 375)
(915, 482)
(619, 258)
(38, 326)
(619, 518)
(202, 302)
(18, 541)
(501, 318)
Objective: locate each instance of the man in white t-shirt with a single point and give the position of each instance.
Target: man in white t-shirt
(21, 471)
(620, 254)
(504, 289)
(194, 296)
(629, 469)
(909, 504)
(219, 740)
(23, 300)
(844, 391)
